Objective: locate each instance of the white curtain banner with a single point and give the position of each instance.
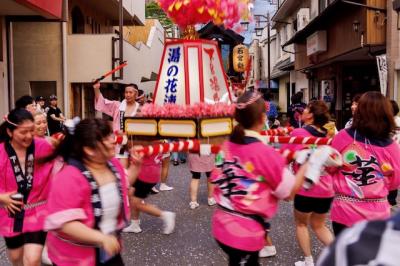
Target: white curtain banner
(383, 72)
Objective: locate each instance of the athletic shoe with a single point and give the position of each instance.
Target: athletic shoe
(169, 222)
(211, 202)
(267, 251)
(193, 205)
(175, 163)
(304, 263)
(154, 190)
(134, 227)
(183, 161)
(165, 187)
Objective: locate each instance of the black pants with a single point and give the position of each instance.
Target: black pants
(338, 228)
(392, 197)
(18, 241)
(115, 261)
(239, 257)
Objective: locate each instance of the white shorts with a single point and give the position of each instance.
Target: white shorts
(122, 156)
(125, 155)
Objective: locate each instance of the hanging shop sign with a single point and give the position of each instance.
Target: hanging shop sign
(240, 58)
(381, 61)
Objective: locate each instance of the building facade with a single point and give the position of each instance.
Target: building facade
(336, 45)
(44, 53)
(10, 80)
(393, 48)
(287, 20)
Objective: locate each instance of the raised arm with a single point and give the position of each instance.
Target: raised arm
(96, 88)
(103, 105)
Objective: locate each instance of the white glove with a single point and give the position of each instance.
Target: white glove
(303, 155)
(321, 157)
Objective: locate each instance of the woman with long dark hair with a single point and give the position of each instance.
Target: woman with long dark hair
(250, 178)
(371, 164)
(24, 188)
(88, 202)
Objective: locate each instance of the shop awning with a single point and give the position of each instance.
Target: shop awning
(285, 65)
(48, 9)
(367, 53)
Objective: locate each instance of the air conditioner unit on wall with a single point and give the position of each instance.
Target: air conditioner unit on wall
(303, 18)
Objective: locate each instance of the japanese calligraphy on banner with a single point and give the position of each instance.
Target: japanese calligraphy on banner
(191, 72)
(171, 85)
(240, 58)
(214, 82)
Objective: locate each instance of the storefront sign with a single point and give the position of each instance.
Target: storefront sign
(317, 43)
(381, 60)
(327, 92)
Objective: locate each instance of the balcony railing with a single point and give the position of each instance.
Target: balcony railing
(86, 63)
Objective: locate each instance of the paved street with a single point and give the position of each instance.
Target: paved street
(191, 243)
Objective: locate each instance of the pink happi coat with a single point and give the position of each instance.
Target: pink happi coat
(267, 180)
(369, 172)
(70, 200)
(324, 188)
(150, 171)
(113, 108)
(34, 217)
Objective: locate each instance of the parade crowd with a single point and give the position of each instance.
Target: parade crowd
(68, 189)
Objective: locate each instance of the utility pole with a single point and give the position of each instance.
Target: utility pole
(269, 49)
(258, 31)
(121, 37)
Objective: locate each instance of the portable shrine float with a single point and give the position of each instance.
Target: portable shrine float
(192, 98)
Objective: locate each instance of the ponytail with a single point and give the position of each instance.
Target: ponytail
(3, 133)
(249, 110)
(86, 133)
(237, 135)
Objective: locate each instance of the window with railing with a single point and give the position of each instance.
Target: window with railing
(324, 4)
(294, 24)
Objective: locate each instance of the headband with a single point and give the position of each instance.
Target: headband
(254, 97)
(8, 121)
(5, 118)
(134, 88)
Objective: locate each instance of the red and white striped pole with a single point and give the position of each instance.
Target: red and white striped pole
(277, 132)
(194, 145)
